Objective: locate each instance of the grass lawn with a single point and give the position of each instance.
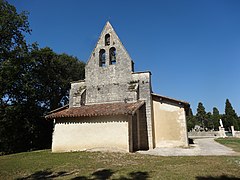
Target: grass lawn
(99, 165)
(231, 142)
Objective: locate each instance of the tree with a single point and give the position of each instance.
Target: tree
(191, 121)
(12, 45)
(209, 121)
(230, 117)
(52, 74)
(33, 81)
(40, 84)
(12, 29)
(215, 118)
(13, 49)
(201, 114)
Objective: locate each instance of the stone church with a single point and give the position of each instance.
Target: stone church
(114, 108)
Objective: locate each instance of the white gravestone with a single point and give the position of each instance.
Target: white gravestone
(221, 123)
(221, 129)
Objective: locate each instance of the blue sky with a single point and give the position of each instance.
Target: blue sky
(191, 47)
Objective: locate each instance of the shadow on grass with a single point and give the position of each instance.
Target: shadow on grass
(45, 174)
(223, 177)
(136, 175)
(101, 174)
(107, 173)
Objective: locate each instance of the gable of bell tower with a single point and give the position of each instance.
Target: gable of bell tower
(108, 71)
(109, 61)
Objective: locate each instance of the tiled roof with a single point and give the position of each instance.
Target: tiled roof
(107, 109)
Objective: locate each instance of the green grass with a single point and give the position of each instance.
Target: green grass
(231, 142)
(100, 165)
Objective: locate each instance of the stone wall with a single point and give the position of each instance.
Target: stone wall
(142, 129)
(75, 134)
(138, 130)
(203, 133)
(116, 92)
(145, 90)
(210, 134)
(169, 125)
(111, 82)
(77, 95)
(154, 123)
(237, 134)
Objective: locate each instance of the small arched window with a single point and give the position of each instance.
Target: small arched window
(107, 39)
(102, 58)
(112, 55)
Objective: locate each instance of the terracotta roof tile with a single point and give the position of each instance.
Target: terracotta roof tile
(107, 109)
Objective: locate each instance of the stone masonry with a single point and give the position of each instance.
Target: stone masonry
(108, 81)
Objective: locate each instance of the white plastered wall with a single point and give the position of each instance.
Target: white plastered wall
(169, 125)
(79, 134)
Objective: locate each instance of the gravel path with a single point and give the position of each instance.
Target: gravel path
(201, 147)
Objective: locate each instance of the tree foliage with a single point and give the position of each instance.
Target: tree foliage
(33, 81)
(191, 120)
(230, 117)
(210, 121)
(37, 84)
(215, 118)
(52, 74)
(12, 29)
(201, 115)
